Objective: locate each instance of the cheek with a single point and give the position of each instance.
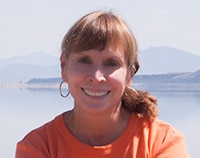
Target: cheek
(119, 77)
(75, 74)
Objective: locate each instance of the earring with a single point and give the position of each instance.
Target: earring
(135, 91)
(60, 89)
(127, 90)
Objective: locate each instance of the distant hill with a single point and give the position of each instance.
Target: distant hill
(185, 77)
(39, 59)
(23, 72)
(23, 68)
(162, 60)
(155, 60)
(168, 82)
(41, 81)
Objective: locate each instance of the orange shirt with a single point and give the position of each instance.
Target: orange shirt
(54, 140)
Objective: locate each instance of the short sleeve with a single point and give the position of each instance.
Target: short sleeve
(32, 146)
(172, 145)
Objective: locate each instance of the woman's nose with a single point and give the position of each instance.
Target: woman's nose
(97, 75)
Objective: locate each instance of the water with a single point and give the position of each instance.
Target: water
(182, 110)
(22, 110)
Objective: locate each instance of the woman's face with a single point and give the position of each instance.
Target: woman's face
(96, 79)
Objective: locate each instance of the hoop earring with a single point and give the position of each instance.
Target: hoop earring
(60, 90)
(132, 89)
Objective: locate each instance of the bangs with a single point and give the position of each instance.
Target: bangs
(97, 31)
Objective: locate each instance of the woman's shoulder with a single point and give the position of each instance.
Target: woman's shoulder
(156, 127)
(36, 142)
(164, 135)
(168, 140)
(41, 133)
(164, 127)
(164, 140)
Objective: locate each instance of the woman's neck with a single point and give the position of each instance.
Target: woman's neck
(97, 129)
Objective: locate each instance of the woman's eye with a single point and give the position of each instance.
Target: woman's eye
(112, 63)
(84, 60)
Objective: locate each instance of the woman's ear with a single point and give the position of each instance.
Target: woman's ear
(129, 77)
(63, 65)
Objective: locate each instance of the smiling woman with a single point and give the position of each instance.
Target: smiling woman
(93, 78)
(109, 119)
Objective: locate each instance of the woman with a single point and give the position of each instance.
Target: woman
(109, 119)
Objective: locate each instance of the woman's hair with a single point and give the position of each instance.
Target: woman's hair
(102, 29)
(98, 30)
(140, 102)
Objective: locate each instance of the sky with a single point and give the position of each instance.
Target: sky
(32, 26)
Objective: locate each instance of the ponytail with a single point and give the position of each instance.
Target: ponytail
(140, 102)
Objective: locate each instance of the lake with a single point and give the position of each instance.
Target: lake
(22, 110)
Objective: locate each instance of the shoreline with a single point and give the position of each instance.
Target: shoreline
(26, 86)
(154, 87)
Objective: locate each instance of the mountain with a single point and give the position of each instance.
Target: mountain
(180, 78)
(39, 59)
(188, 81)
(23, 68)
(41, 81)
(154, 60)
(23, 72)
(161, 60)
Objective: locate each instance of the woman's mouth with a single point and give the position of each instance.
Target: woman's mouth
(95, 93)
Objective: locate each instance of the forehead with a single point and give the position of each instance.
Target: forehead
(107, 52)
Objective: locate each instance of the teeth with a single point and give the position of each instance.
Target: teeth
(96, 94)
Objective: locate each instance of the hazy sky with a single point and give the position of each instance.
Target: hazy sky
(29, 26)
